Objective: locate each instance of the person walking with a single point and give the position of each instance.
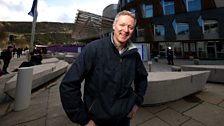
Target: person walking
(109, 67)
(6, 56)
(170, 56)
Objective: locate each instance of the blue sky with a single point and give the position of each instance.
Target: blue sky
(50, 10)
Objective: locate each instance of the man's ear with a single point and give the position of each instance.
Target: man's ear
(113, 25)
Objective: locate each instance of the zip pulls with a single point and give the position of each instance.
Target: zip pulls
(90, 108)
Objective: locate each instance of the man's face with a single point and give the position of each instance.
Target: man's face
(123, 28)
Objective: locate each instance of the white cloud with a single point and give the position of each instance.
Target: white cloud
(17, 10)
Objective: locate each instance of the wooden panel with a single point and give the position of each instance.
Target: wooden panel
(207, 4)
(179, 6)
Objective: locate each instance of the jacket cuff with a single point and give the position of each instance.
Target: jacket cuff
(139, 100)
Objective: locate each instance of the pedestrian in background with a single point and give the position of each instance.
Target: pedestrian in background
(170, 56)
(6, 56)
(109, 67)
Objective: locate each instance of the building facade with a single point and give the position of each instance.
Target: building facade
(193, 28)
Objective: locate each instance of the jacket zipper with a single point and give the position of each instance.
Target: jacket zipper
(92, 105)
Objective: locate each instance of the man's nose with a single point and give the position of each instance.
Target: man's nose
(126, 28)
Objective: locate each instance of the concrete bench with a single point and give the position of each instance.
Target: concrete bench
(41, 74)
(49, 60)
(169, 86)
(216, 74)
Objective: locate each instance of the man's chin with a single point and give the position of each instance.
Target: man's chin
(123, 40)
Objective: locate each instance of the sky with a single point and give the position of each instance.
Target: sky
(63, 11)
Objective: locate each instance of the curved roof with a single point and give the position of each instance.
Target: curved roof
(88, 26)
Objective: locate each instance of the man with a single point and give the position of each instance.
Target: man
(6, 56)
(170, 56)
(109, 66)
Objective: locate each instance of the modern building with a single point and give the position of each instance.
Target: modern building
(193, 28)
(89, 26)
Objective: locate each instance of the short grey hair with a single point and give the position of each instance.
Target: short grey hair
(125, 12)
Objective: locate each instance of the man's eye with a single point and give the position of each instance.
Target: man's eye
(131, 27)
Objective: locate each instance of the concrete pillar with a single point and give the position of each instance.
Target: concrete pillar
(23, 88)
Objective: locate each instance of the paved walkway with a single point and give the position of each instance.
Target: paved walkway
(205, 108)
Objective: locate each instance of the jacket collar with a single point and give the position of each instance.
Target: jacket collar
(129, 44)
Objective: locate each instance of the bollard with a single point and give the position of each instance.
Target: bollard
(150, 65)
(23, 88)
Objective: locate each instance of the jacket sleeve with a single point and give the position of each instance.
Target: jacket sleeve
(70, 88)
(140, 81)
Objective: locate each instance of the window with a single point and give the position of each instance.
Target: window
(159, 30)
(200, 22)
(168, 7)
(210, 26)
(181, 28)
(133, 11)
(140, 32)
(193, 5)
(128, 1)
(147, 10)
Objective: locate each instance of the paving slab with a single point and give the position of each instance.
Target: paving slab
(156, 108)
(37, 122)
(216, 89)
(154, 122)
(141, 116)
(35, 111)
(182, 105)
(5, 108)
(193, 123)
(208, 114)
(212, 93)
(172, 117)
(221, 104)
(209, 97)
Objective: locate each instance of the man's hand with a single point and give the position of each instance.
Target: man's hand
(91, 123)
(133, 112)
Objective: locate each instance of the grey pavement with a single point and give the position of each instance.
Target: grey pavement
(205, 108)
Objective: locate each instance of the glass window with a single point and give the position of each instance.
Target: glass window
(168, 7)
(133, 11)
(220, 49)
(181, 28)
(147, 10)
(200, 22)
(140, 32)
(174, 25)
(192, 5)
(210, 26)
(159, 30)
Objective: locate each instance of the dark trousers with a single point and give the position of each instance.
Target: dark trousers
(125, 122)
(5, 66)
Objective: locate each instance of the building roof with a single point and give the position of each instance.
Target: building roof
(88, 26)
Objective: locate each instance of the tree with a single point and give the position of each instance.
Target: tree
(3, 36)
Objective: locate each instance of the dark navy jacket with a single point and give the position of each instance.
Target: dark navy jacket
(108, 94)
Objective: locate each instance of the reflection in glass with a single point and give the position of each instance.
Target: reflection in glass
(193, 5)
(159, 30)
(147, 10)
(180, 28)
(168, 7)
